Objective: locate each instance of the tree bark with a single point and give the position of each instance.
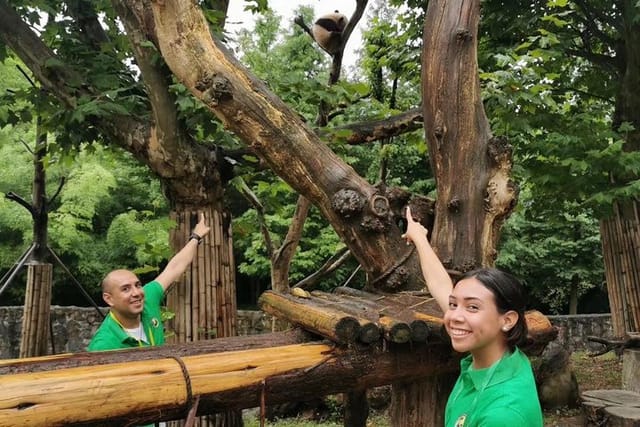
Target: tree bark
(475, 192)
(356, 209)
(631, 370)
(356, 408)
(472, 170)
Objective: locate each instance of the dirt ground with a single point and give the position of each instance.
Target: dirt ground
(592, 373)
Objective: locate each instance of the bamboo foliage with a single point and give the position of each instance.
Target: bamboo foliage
(36, 321)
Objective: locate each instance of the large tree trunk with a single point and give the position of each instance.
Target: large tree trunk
(211, 277)
(620, 232)
(472, 171)
(359, 213)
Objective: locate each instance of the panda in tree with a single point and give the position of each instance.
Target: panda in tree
(327, 31)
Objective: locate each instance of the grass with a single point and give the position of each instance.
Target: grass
(378, 420)
(592, 373)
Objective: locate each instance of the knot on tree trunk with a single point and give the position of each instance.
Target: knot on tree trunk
(347, 202)
(214, 88)
(454, 205)
(379, 205)
(373, 224)
(378, 219)
(397, 279)
(463, 35)
(499, 150)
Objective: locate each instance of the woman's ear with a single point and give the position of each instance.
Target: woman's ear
(509, 320)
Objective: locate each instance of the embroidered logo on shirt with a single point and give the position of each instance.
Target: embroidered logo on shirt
(460, 421)
(155, 322)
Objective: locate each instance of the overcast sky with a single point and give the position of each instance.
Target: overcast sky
(238, 19)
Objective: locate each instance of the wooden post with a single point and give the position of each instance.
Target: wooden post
(631, 370)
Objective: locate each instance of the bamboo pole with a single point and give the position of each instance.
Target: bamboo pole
(35, 320)
(632, 290)
(607, 232)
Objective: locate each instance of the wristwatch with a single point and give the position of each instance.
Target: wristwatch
(194, 236)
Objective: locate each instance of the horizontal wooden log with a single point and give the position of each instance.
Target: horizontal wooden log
(337, 326)
(394, 330)
(219, 345)
(360, 307)
(369, 331)
(420, 331)
(142, 391)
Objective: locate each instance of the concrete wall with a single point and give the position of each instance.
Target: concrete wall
(73, 327)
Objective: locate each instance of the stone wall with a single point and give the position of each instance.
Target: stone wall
(73, 327)
(573, 330)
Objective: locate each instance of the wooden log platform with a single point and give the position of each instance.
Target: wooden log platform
(137, 386)
(611, 408)
(398, 318)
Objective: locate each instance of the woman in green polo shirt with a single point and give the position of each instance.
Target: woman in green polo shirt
(484, 316)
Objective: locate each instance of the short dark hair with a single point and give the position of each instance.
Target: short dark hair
(509, 295)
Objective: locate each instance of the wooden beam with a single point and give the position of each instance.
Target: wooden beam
(141, 391)
(337, 326)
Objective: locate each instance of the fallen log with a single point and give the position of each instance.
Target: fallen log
(142, 391)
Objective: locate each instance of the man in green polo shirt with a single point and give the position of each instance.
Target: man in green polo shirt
(134, 316)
